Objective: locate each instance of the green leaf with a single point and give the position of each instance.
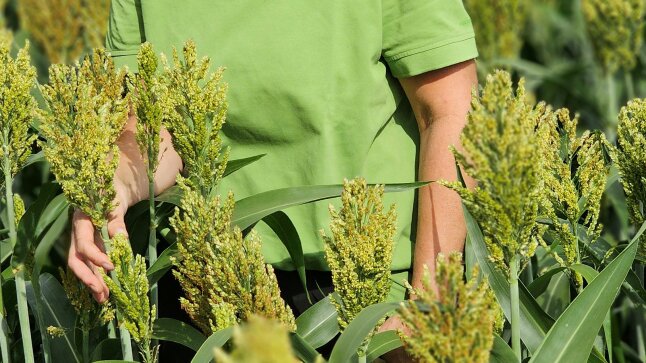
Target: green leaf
(216, 340)
(36, 220)
(303, 350)
(572, 337)
(540, 284)
(534, 321)
(250, 210)
(318, 324)
(354, 334)
(58, 312)
(235, 165)
(173, 195)
(501, 352)
(162, 265)
(557, 296)
(382, 343)
(115, 361)
(34, 158)
(280, 223)
(176, 331)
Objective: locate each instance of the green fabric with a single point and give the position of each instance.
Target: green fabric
(311, 84)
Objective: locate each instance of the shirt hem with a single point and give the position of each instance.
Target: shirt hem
(433, 57)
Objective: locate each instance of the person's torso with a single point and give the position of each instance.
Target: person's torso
(307, 87)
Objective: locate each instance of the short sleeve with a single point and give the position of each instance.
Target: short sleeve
(423, 35)
(125, 32)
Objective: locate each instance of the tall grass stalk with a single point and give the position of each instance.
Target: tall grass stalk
(124, 334)
(21, 290)
(515, 307)
(4, 329)
(152, 237)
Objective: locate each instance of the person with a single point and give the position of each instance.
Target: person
(327, 90)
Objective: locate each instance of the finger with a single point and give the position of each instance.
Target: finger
(84, 241)
(85, 274)
(105, 291)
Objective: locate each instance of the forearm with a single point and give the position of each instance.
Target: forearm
(440, 100)
(131, 179)
(440, 223)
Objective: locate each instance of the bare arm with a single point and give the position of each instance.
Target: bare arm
(131, 184)
(440, 101)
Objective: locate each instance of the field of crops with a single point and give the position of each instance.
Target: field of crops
(552, 271)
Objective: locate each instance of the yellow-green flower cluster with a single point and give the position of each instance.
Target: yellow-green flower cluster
(152, 104)
(457, 324)
(18, 208)
(616, 29)
(55, 331)
(17, 105)
(502, 151)
(573, 195)
(89, 312)
(631, 160)
(223, 275)
(200, 111)
(260, 340)
(86, 116)
(64, 28)
(359, 252)
(499, 25)
(130, 294)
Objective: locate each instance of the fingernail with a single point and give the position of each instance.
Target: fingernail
(108, 266)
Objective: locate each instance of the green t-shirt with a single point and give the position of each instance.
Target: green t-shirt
(311, 84)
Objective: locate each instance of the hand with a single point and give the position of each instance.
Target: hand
(87, 253)
(398, 355)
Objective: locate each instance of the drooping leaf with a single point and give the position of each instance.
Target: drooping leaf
(280, 223)
(216, 340)
(318, 324)
(254, 208)
(176, 331)
(351, 339)
(501, 352)
(382, 343)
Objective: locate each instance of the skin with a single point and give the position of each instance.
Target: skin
(440, 100)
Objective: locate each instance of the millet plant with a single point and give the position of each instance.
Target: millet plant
(85, 118)
(360, 251)
(502, 140)
(17, 109)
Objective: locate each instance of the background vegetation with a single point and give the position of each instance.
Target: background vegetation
(572, 54)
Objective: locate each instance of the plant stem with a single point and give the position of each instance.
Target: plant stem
(4, 328)
(152, 238)
(515, 307)
(612, 103)
(641, 321)
(86, 346)
(124, 334)
(21, 291)
(362, 358)
(577, 276)
(630, 85)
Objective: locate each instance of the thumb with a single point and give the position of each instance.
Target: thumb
(117, 225)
